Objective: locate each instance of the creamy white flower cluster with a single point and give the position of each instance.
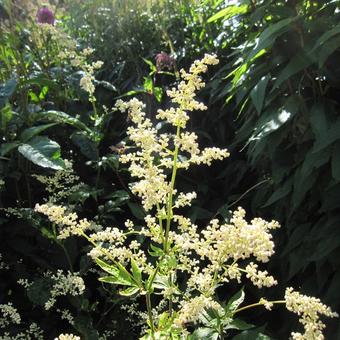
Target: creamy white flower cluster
(87, 80)
(80, 60)
(69, 221)
(9, 315)
(67, 337)
(191, 310)
(61, 184)
(33, 332)
(116, 247)
(224, 246)
(308, 308)
(64, 284)
(154, 153)
(184, 94)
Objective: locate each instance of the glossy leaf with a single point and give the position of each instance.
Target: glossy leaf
(43, 152)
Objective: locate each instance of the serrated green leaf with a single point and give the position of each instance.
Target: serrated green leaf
(111, 269)
(160, 282)
(136, 272)
(155, 251)
(129, 291)
(28, 133)
(44, 152)
(235, 301)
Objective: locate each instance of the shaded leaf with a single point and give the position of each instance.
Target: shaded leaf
(28, 133)
(257, 94)
(6, 91)
(299, 62)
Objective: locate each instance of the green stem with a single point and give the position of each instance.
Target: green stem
(94, 108)
(160, 221)
(149, 308)
(258, 304)
(172, 185)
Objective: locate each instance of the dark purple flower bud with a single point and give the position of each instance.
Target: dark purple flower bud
(164, 61)
(45, 16)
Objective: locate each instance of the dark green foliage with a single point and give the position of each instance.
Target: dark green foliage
(285, 89)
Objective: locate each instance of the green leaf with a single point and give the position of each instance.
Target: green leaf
(39, 291)
(257, 94)
(251, 335)
(129, 291)
(271, 120)
(6, 91)
(136, 210)
(314, 160)
(87, 147)
(297, 63)
(158, 93)
(302, 184)
(326, 36)
(229, 12)
(328, 138)
(155, 251)
(203, 333)
(136, 272)
(111, 269)
(328, 49)
(151, 64)
(28, 133)
(6, 115)
(239, 325)
(62, 117)
(283, 190)
(270, 34)
(44, 152)
(336, 161)
(160, 282)
(235, 301)
(7, 147)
